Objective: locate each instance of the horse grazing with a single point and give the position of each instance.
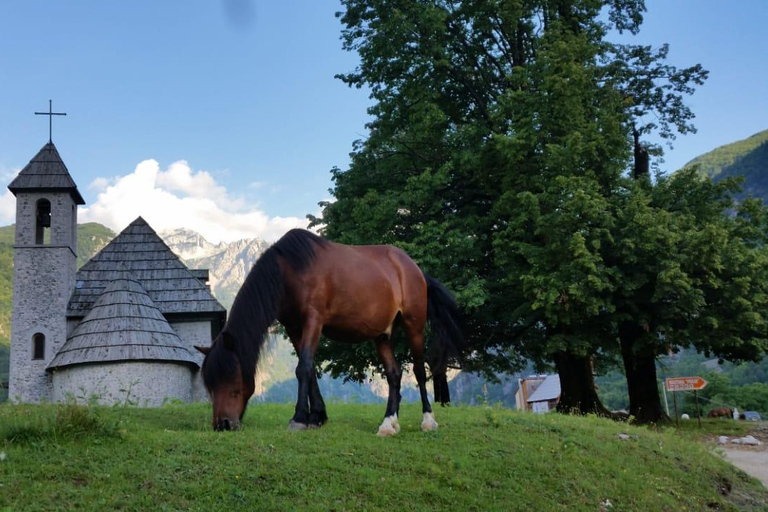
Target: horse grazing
(348, 293)
(722, 412)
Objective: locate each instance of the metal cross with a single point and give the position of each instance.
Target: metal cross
(50, 115)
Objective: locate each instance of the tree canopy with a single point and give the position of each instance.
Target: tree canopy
(497, 155)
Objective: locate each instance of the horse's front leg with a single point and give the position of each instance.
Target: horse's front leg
(390, 426)
(305, 373)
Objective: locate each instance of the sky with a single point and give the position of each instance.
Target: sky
(224, 116)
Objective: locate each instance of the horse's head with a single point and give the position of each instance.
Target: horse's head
(224, 379)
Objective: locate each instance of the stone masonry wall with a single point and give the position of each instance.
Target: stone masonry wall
(42, 285)
(140, 383)
(41, 290)
(191, 334)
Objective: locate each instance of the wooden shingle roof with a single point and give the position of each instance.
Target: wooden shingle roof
(123, 325)
(140, 253)
(46, 171)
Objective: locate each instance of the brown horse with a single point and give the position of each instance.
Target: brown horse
(722, 412)
(348, 293)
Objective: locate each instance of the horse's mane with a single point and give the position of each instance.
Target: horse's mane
(257, 303)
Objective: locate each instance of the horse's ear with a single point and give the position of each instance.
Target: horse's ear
(204, 350)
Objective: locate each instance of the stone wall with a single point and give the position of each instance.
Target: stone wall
(140, 383)
(194, 333)
(43, 280)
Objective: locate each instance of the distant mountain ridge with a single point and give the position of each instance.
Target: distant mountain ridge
(227, 262)
(747, 158)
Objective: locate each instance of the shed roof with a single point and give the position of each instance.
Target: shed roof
(547, 390)
(46, 171)
(140, 253)
(123, 325)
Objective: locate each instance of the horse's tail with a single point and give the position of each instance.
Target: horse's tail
(446, 324)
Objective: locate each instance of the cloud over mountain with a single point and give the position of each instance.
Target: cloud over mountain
(181, 197)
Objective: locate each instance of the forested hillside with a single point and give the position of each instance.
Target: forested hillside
(748, 158)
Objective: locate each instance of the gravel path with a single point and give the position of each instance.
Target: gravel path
(753, 463)
(753, 460)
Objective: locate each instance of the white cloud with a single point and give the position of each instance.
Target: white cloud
(8, 200)
(99, 184)
(7, 208)
(180, 197)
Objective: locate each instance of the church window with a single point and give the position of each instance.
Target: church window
(43, 222)
(38, 346)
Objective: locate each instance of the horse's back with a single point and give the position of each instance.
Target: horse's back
(358, 290)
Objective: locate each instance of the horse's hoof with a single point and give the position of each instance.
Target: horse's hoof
(386, 432)
(428, 423)
(389, 427)
(294, 425)
(313, 426)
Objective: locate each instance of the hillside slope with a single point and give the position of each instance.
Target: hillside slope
(748, 158)
(479, 459)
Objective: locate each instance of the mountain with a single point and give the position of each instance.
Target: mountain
(228, 263)
(748, 158)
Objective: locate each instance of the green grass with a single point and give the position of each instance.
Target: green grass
(479, 459)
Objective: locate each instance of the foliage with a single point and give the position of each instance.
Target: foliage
(169, 459)
(495, 158)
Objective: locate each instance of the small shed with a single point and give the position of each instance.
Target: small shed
(123, 351)
(546, 396)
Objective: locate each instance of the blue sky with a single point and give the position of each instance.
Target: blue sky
(225, 117)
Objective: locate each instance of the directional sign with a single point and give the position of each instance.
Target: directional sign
(685, 384)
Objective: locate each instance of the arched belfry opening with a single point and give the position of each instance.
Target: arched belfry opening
(38, 346)
(43, 222)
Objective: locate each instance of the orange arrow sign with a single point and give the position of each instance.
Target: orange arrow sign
(685, 383)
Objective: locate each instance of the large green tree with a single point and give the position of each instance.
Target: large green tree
(690, 274)
(495, 155)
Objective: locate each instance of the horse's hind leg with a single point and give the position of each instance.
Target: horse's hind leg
(390, 426)
(415, 336)
(305, 349)
(317, 414)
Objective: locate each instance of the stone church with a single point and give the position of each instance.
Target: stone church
(121, 329)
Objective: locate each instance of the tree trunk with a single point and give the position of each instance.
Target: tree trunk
(578, 393)
(640, 367)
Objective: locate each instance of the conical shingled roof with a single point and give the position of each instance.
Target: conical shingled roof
(46, 171)
(139, 252)
(123, 325)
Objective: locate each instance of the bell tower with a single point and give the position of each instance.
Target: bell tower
(44, 265)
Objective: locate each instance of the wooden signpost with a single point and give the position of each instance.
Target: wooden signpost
(686, 384)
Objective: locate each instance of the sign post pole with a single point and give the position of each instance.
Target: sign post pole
(677, 416)
(698, 411)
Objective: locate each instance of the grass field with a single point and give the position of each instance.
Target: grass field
(481, 458)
